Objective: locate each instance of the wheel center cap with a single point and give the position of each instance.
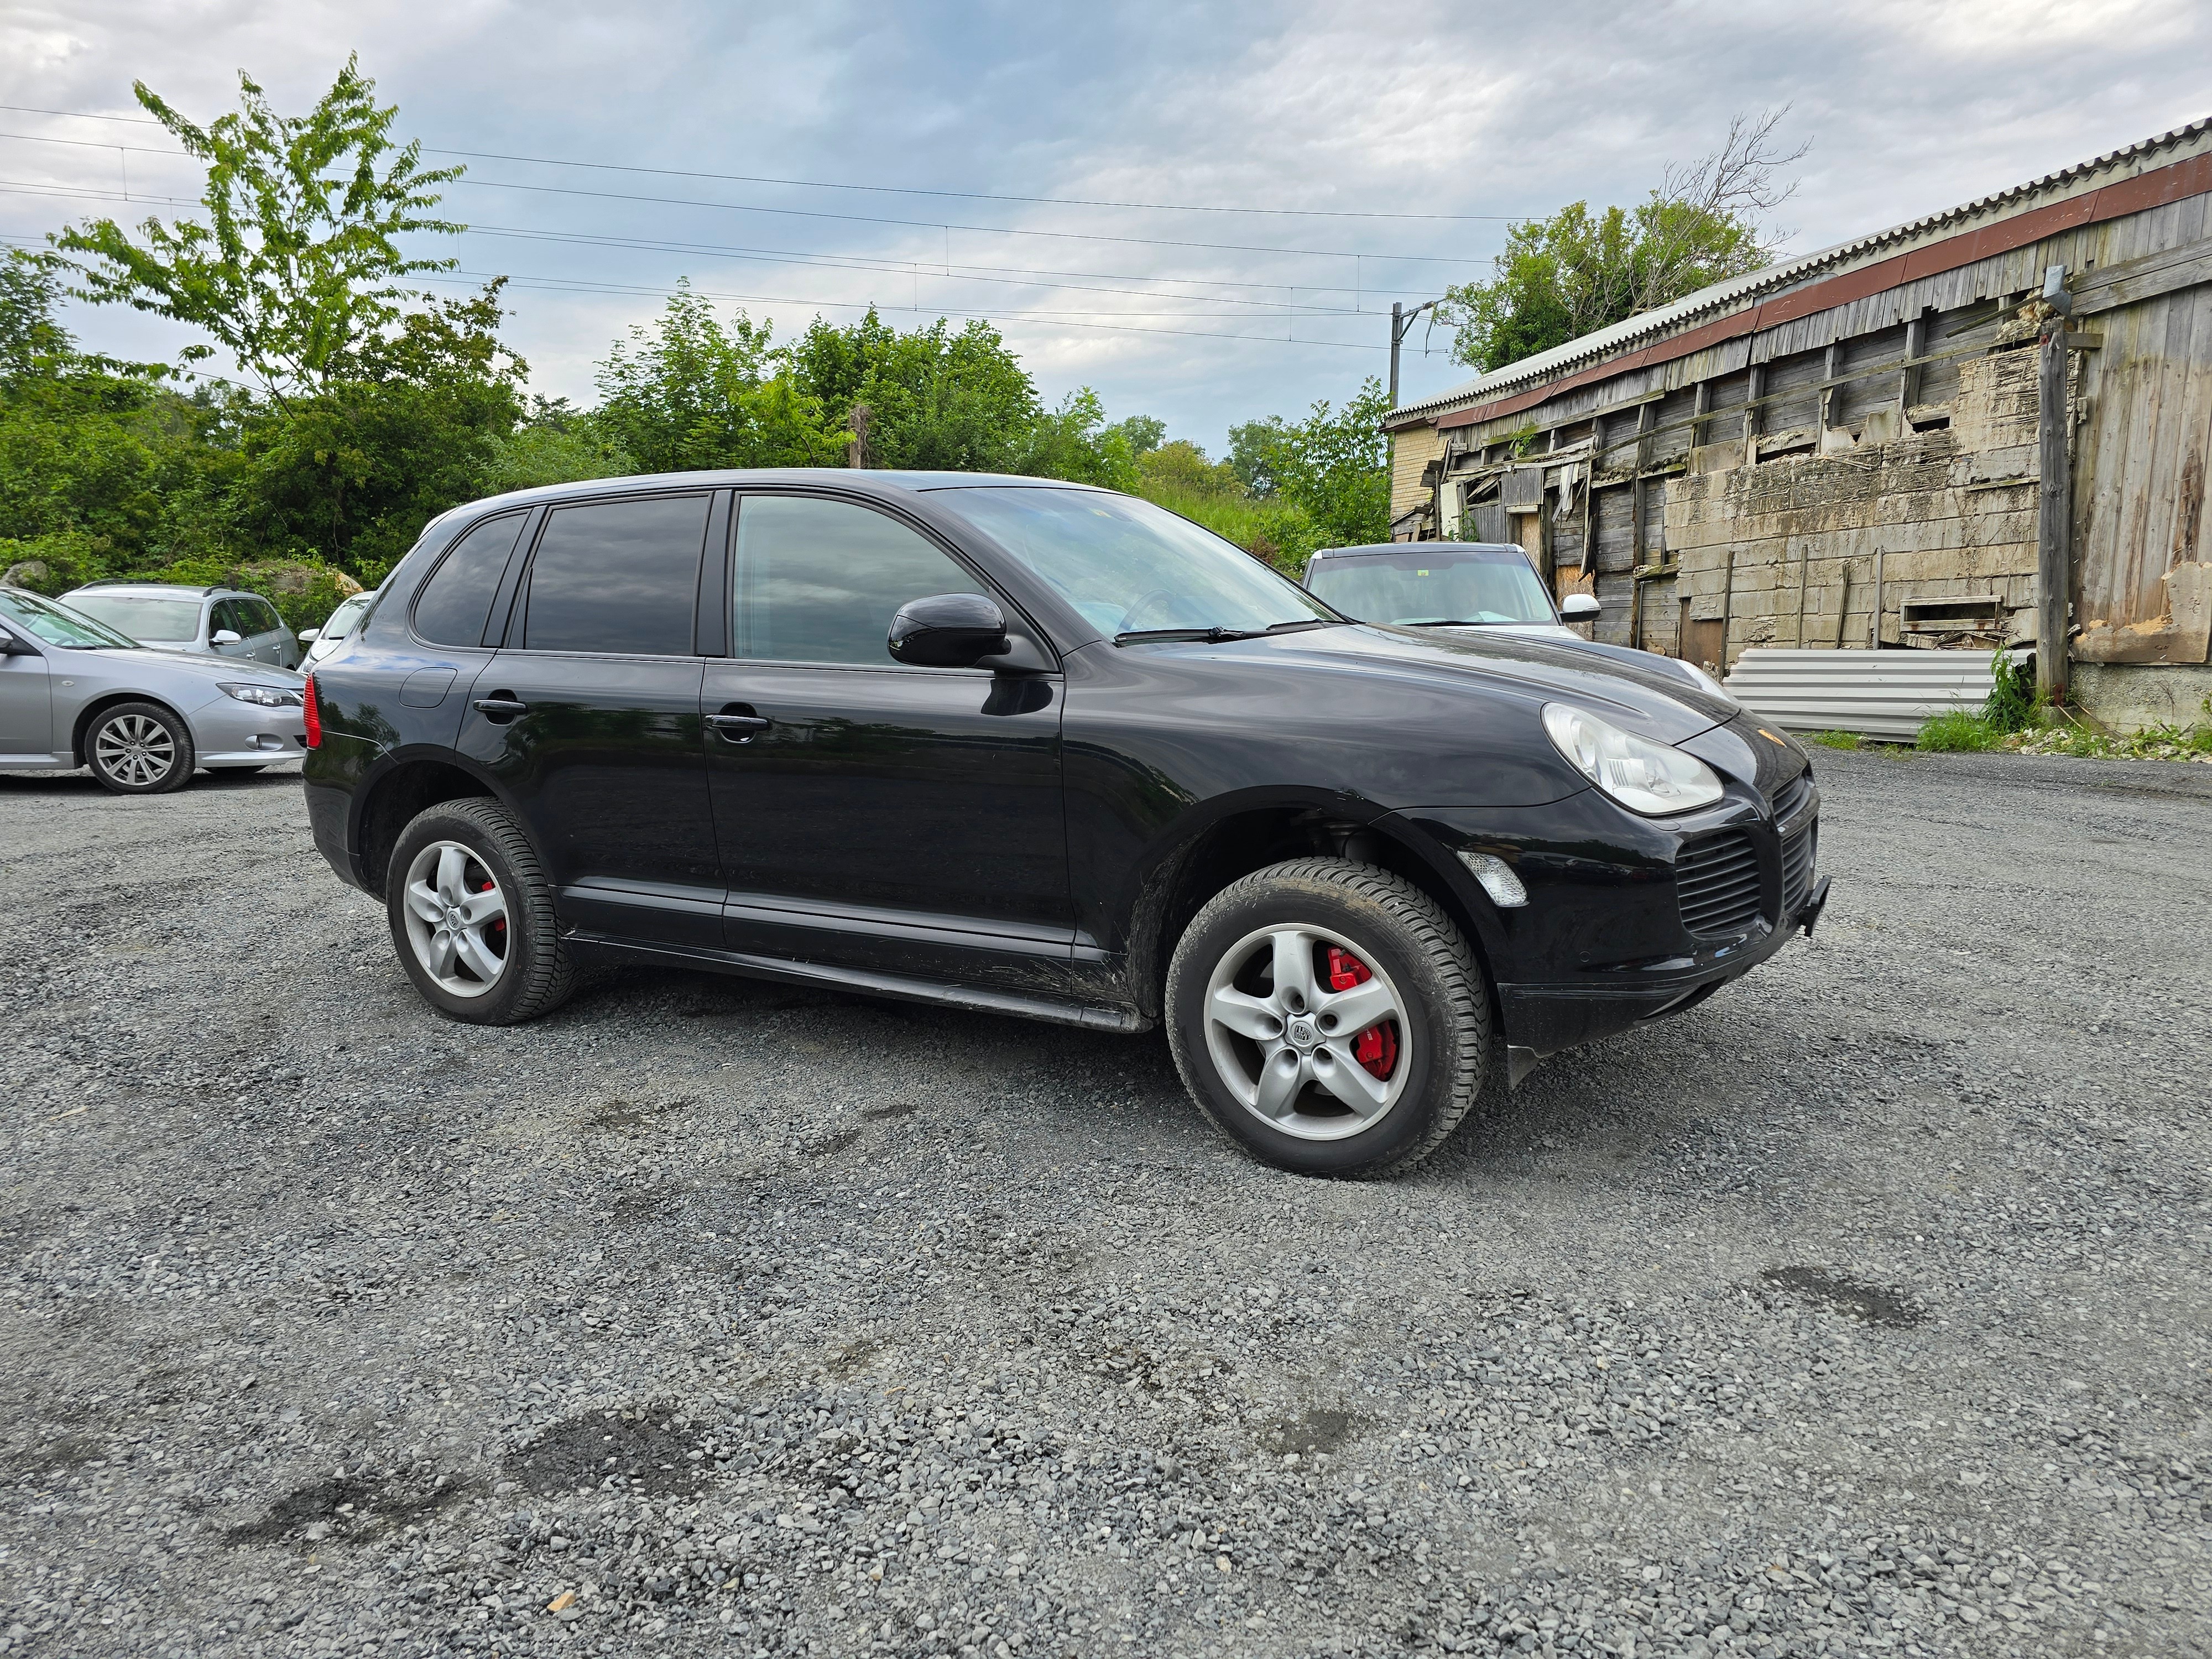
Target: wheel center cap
(1303, 1035)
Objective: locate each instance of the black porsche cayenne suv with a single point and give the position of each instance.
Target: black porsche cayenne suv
(1042, 749)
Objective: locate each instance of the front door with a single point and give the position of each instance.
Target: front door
(588, 716)
(27, 717)
(872, 814)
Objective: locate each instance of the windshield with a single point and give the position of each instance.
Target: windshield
(57, 624)
(343, 618)
(1132, 568)
(143, 618)
(1440, 585)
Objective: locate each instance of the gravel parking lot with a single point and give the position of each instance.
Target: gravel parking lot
(1862, 1309)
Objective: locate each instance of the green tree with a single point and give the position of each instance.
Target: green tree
(1255, 451)
(691, 392)
(297, 268)
(1565, 276)
(30, 336)
(407, 428)
(1181, 467)
(1335, 467)
(1143, 432)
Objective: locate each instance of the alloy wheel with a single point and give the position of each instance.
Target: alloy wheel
(1310, 1038)
(457, 919)
(135, 750)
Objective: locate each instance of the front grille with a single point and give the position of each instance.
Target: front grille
(1797, 854)
(1717, 883)
(1791, 795)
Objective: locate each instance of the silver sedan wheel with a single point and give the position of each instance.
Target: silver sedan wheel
(135, 748)
(1287, 1044)
(456, 918)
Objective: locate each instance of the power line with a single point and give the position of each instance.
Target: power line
(561, 286)
(820, 184)
(865, 218)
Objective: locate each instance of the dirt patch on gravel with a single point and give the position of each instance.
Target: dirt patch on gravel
(1871, 1304)
(646, 1451)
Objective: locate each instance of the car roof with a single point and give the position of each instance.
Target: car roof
(867, 481)
(131, 587)
(1420, 550)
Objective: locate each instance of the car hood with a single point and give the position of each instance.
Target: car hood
(147, 662)
(1650, 702)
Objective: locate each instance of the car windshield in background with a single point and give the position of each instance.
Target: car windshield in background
(346, 616)
(57, 624)
(1133, 568)
(1465, 586)
(143, 618)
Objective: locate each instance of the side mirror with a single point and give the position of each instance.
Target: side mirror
(223, 636)
(12, 646)
(947, 630)
(1579, 607)
(309, 635)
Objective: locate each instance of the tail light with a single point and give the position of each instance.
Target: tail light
(313, 710)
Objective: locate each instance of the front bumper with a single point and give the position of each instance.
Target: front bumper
(228, 732)
(1602, 942)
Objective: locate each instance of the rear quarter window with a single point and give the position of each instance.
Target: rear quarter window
(455, 604)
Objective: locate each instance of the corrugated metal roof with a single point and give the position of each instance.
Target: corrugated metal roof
(1720, 297)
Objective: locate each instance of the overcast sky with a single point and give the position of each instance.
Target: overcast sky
(1468, 114)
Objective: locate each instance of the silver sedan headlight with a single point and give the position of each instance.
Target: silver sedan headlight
(268, 696)
(1653, 779)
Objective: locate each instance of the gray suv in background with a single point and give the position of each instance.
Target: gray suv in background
(220, 621)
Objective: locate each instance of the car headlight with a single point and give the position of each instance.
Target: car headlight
(269, 697)
(1651, 778)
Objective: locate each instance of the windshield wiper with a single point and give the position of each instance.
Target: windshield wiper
(1216, 635)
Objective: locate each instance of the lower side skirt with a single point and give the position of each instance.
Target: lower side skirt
(866, 981)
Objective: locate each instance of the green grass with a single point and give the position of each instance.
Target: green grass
(1835, 739)
(1958, 732)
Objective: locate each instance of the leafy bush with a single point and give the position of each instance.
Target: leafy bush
(2014, 703)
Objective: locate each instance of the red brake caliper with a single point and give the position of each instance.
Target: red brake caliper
(497, 930)
(1376, 1048)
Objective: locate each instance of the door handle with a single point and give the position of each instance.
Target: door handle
(500, 706)
(738, 724)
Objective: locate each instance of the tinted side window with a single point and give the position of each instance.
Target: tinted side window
(263, 615)
(225, 615)
(456, 602)
(820, 581)
(618, 576)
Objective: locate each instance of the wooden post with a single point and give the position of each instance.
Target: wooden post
(1830, 362)
(1701, 398)
(1804, 574)
(1915, 347)
(1754, 389)
(1636, 486)
(2054, 552)
(1873, 627)
(857, 453)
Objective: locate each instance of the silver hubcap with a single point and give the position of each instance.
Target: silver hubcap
(1286, 1042)
(456, 918)
(135, 748)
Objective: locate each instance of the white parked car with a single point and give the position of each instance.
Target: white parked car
(215, 622)
(321, 641)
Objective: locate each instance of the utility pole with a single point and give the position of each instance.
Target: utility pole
(1401, 324)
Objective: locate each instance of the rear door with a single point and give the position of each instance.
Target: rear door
(589, 717)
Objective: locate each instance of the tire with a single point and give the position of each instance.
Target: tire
(502, 961)
(139, 748)
(1268, 1074)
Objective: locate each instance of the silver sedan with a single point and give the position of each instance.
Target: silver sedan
(74, 692)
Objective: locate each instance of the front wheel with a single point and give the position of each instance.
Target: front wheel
(1328, 1017)
(472, 917)
(139, 748)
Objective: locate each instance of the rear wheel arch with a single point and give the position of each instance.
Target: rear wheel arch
(1234, 846)
(390, 800)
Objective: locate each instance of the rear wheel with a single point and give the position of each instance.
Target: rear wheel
(1329, 1018)
(472, 917)
(139, 748)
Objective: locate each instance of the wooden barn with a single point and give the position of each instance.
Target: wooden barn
(1988, 426)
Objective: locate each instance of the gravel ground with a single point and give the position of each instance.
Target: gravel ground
(1862, 1309)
